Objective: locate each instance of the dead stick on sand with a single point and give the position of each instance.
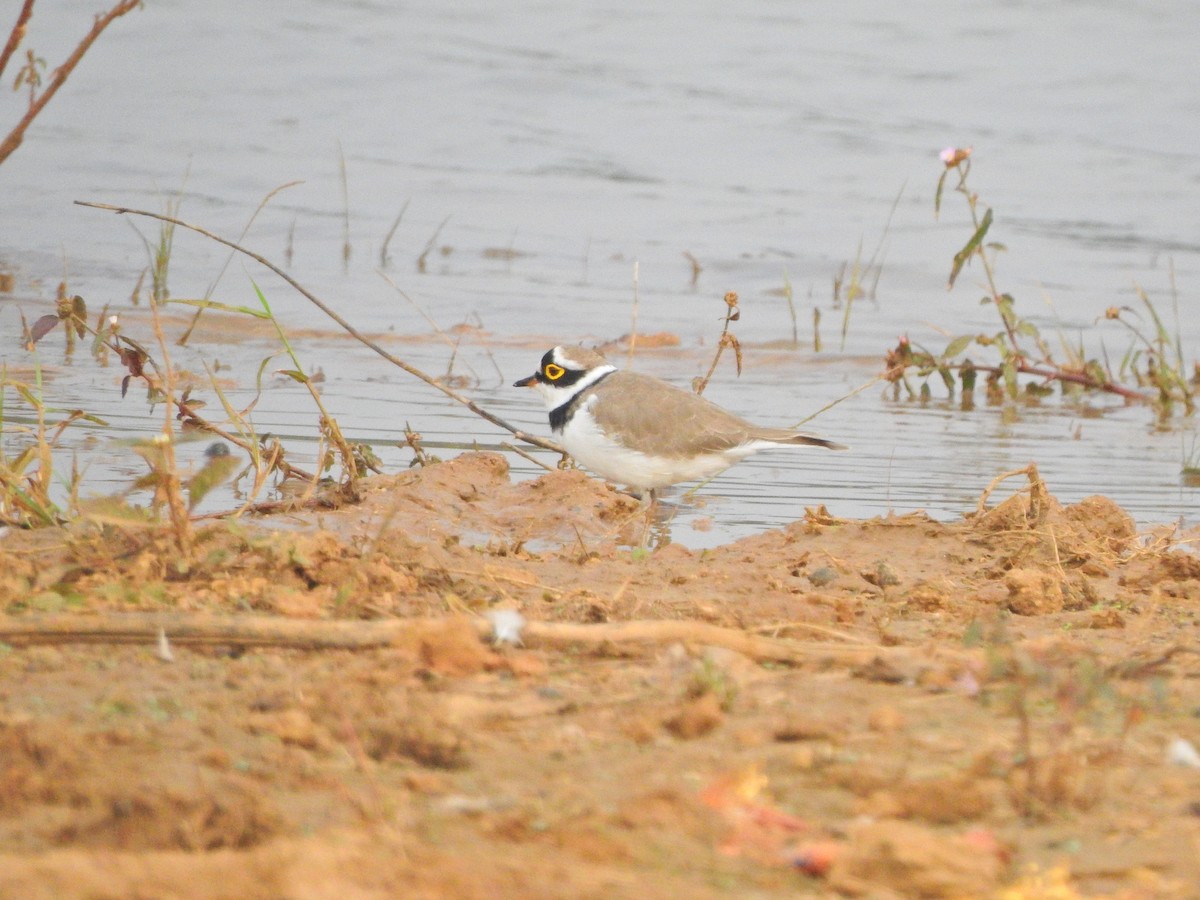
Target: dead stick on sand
(265, 631)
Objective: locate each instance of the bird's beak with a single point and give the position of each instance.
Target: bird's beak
(526, 382)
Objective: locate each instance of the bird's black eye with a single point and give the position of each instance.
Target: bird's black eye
(553, 372)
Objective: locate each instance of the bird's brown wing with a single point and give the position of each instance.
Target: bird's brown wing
(651, 415)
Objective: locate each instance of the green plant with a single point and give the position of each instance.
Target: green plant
(352, 459)
(862, 279)
(1020, 346)
(789, 296)
(711, 678)
(27, 476)
(1157, 361)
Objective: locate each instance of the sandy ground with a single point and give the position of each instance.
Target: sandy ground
(886, 708)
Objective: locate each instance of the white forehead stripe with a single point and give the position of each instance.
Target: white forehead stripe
(563, 359)
(586, 359)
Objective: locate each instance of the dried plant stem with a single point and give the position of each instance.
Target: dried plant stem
(171, 485)
(224, 266)
(727, 339)
(269, 631)
(14, 138)
(346, 326)
(633, 317)
(345, 206)
(122, 345)
(383, 251)
(16, 35)
(527, 456)
(430, 245)
(1056, 374)
(1038, 495)
(832, 403)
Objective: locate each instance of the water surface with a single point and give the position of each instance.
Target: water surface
(549, 154)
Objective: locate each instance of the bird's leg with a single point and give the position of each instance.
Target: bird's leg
(658, 520)
(650, 504)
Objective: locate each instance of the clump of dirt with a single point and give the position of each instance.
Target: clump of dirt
(891, 707)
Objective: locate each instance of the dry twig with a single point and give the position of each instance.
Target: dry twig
(14, 138)
(346, 326)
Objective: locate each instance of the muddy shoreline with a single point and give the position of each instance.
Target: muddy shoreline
(966, 706)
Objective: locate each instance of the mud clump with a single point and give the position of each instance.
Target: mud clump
(1036, 528)
(696, 717)
(230, 812)
(908, 860)
(1034, 592)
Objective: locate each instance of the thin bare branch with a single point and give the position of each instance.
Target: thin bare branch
(13, 141)
(346, 326)
(16, 35)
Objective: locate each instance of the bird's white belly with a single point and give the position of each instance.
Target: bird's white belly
(594, 450)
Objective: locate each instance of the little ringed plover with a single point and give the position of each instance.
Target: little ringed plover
(637, 430)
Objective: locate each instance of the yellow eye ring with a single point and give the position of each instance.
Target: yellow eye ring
(553, 372)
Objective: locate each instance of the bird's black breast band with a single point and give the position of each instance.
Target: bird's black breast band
(561, 415)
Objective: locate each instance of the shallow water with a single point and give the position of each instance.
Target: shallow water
(556, 149)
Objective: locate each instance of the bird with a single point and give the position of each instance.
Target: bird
(641, 431)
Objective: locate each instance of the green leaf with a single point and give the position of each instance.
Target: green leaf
(967, 374)
(937, 197)
(957, 346)
(25, 392)
(79, 315)
(1010, 377)
(224, 307)
(1005, 305)
(1027, 328)
(293, 374)
(969, 248)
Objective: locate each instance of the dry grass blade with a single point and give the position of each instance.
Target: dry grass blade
(16, 35)
(1037, 490)
(726, 339)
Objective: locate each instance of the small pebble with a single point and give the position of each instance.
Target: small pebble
(823, 576)
(507, 625)
(1182, 752)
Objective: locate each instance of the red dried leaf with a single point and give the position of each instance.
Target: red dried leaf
(41, 328)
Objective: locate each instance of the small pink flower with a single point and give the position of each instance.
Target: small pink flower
(952, 156)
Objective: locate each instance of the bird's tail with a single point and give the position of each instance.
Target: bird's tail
(783, 436)
(816, 442)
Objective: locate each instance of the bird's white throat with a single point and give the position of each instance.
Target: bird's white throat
(556, 397)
